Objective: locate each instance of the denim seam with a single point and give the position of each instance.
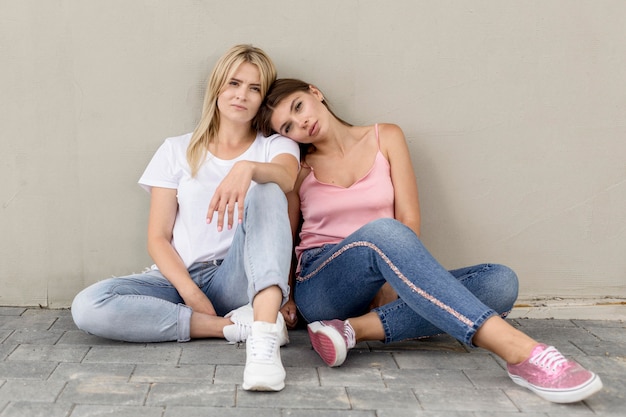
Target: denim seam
(398, 273)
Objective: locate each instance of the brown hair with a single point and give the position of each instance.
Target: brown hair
(279, 91)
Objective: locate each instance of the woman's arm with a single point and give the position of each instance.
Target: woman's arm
(163, 208)
(282, 170)
(394, 147)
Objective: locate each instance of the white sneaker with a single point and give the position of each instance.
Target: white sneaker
(242, 319)
(264, 370)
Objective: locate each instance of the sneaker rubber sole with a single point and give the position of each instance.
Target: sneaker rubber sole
(328, 343)
(569, 395)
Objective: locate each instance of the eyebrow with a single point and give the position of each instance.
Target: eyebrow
(241, 81)
(291, 110)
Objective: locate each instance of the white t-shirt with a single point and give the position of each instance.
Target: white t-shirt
(193, 238)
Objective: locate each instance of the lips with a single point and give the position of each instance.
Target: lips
(313, 129)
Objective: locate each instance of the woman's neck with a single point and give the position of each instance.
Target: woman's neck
(338, 139)
(233, 134)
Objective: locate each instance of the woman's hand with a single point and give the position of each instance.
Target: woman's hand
(198, 301)
(231, 191)
(289, 314)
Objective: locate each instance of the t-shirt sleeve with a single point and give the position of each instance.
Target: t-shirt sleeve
(161, 171)
(279, 144)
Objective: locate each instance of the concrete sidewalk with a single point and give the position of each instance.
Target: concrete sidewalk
(49, 368)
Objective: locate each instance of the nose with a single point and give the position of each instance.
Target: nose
(242, 93)
(302, 121)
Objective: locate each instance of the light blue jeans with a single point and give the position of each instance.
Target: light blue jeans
(147, 308)
(339, 282)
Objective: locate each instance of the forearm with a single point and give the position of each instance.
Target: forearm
(171, 266)
(282, 171)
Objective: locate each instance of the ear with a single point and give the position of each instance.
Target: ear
(315, 92)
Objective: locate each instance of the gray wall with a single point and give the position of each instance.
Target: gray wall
(515, 112)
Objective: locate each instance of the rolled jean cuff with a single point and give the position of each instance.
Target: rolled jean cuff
(184, 323)
(469, 336)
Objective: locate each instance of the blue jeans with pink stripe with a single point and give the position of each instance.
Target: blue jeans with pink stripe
(339, 281)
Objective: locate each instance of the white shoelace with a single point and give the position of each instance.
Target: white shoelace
(550, 358)
(262, 347)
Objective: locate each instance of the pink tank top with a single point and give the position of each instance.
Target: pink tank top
(331, 212)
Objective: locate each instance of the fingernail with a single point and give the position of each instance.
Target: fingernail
(219, 228)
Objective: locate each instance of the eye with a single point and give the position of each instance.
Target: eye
(256, 89)
(298, 106)
(287, 128)
(233, 83)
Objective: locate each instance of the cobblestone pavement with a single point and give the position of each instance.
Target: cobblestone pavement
(49, 368)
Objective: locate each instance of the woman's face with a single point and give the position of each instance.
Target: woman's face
(300, 116)
(240, 97)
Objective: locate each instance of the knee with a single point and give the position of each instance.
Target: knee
(508, 286)
(81, 310)
(388, 228)
(85, 310)
(262, 195)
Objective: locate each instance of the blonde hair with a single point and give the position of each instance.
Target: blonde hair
(209, 123)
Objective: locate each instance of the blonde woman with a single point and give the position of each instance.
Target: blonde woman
(223, 273)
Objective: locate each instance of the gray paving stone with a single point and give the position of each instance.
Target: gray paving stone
(11, 311)
(528, 402)
(6, 349)
(173, 374)
(131, 353)
(233, 374)
(328, 413)
(104, 393)
(465, 399)
(295, 397)
(407, 412)
(47, 353)
(31, 391)
(4, 334)
(490, 379)
(195, 394)
(78, 337)
(56, 369)
(26, 370)
(31, 409)
(438, 378)
(612, 398)
(445, 360)
(299, 356)
(365, 359)
(182, 411)
(371, 398)
(65, 323)
(215, 353)
(601, 348)
(92, 372)
(84, 410)
(32, 322)
(34, 336)
(351, 377)
(607, 334)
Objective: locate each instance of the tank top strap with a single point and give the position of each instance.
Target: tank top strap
(377, 137)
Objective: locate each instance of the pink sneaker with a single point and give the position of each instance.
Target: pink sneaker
(331, 339)
(553, 377)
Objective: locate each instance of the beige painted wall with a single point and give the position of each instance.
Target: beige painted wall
(515, 112)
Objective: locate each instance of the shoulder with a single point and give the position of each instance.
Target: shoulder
(391, 138)
(277, 144)
(177, 143)
(390, 131)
